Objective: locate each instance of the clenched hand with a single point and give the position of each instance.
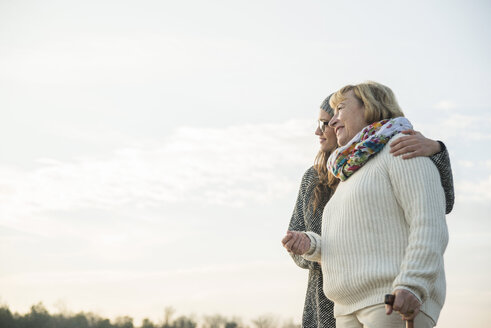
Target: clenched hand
(296, 242)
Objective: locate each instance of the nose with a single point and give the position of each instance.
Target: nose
(333, 121)
(318, 132)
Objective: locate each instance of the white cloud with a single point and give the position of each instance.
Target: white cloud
(474, 191)
(466, 164)
(232, 166)
(467, 128)
(445, 105)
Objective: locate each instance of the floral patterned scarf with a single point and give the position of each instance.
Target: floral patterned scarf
(345, 160)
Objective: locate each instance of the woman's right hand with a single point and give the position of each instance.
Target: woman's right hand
(296, 242)
(406, 303)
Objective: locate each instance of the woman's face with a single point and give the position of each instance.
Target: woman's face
(348, 119)
(327, 138)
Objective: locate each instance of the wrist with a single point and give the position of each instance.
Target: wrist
(436, 147)
(410, 290)
(312, 245)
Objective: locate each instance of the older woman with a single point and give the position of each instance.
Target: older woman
(383, 230)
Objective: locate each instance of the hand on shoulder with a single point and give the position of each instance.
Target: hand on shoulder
(414, 144)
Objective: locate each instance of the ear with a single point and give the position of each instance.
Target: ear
(367, 115)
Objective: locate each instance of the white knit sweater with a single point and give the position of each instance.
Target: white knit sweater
(384, 229)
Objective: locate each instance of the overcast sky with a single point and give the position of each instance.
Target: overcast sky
(151, 151)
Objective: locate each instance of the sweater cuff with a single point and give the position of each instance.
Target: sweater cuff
(313, 244)
(314, 252)
(442, 146)
(441, 154)
(411, 291)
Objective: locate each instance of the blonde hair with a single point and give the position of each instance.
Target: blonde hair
(379, 100)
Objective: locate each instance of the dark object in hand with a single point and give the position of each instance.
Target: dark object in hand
(389, 299)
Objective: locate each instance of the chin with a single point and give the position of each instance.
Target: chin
(341, 144)
(342, 141)
(328, 148)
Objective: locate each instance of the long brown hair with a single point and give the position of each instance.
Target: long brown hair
(326, 182)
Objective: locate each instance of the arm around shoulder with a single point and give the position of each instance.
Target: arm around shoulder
(442, 163)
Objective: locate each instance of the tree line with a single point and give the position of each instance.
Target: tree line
(39, 317)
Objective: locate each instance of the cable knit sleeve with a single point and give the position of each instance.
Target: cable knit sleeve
(442, 163)
(297, 221)
(418, 190)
